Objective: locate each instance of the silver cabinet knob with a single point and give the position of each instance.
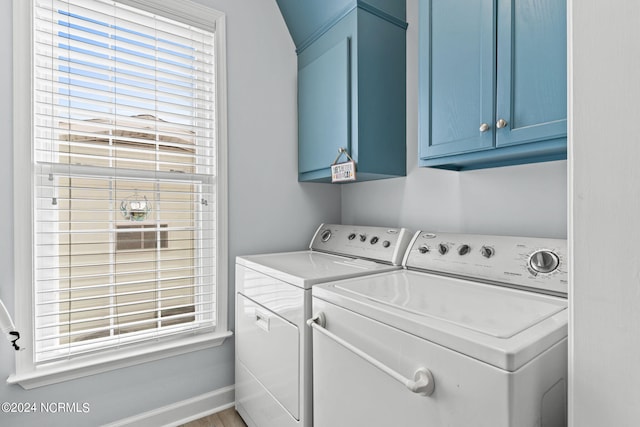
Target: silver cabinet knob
(484, 127)
(501, 123)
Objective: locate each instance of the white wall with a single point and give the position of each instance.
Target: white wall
(516, 200)
(604, 336)
(269, 211)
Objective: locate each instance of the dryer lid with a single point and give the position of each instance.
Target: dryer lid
(306, 268)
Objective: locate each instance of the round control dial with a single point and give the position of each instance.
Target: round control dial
(363, 237)
(374, 240)
(443, 249)
(464, 249)
(351, 236)
(326, 235)
(544, 261)
(423, 249)
(487, 251)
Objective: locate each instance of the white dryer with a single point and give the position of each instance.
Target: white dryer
(472, 333)
(273, 301)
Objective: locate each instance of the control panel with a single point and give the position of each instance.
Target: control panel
(531, 262)
(375, 243)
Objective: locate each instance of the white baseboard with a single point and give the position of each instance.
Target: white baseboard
(182, 412)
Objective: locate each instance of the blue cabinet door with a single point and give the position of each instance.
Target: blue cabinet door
(493, 82)
(532, 71)
(323, 108)
(457, 76)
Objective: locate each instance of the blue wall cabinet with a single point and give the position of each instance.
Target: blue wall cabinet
(493, 82)
(351, 87)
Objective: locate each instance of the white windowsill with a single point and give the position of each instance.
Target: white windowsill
(59, 372)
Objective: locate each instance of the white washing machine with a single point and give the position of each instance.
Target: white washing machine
(473, 333)
(273, 301)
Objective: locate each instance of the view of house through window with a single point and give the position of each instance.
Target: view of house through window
(140, 266)
(125, 150)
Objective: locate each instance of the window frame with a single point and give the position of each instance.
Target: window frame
(27, 374)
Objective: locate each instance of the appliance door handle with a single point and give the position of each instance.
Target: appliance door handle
(423, 379)
(263, 320)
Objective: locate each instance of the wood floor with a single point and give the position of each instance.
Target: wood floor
(227, 418)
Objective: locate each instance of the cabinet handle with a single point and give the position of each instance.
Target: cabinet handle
(484, 127)
(501, 123)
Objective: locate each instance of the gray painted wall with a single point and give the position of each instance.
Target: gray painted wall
(515, 200)
(265, 199)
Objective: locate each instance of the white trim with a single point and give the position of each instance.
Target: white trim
(27, 374)
(22, 181)
(222, 179)
(111, 360)
(182, 412)
(189, 12)
(570, 216)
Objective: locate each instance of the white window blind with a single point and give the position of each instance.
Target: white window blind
(124, 178)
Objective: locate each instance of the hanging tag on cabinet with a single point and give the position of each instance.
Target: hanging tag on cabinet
(343, 172)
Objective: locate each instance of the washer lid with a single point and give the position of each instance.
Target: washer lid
(501, 326)
(306, 268)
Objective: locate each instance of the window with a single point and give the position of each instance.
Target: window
(136, 237)
(128, 176)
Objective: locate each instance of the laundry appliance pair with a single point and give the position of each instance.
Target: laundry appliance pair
(377, 326)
